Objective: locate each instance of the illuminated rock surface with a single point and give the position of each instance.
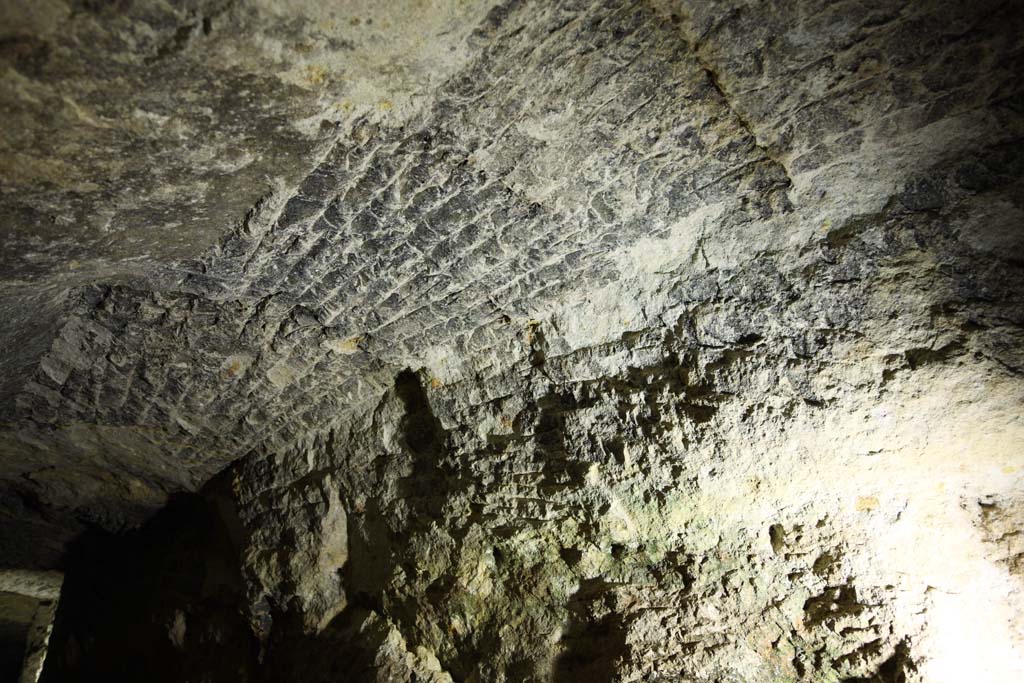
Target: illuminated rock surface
(531, 341)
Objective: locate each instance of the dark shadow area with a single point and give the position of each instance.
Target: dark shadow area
(893, 670)
(423, 432)
(161, 603)
(425, 437)
(346, 650)
(16, 612)
(591, 645)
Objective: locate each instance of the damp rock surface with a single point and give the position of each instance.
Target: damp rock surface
(531, 341)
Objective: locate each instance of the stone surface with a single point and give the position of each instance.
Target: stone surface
(28, 604)
(540, 340)
(137, 134)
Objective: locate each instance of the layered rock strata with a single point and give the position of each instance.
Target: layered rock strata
(642, 341)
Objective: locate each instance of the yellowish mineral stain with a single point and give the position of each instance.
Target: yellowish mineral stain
(345, 346)
(235, 365)
(531, 330)
(866, 503)
(316, 75)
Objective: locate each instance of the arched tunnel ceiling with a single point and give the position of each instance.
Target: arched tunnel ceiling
(230, 224)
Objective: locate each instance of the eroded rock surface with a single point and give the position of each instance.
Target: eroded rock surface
(620, 341)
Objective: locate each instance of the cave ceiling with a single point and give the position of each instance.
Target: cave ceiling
(229, 224)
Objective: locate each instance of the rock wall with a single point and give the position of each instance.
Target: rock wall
(138, 134)
(654, 341)
(806, 471)
(746, 492)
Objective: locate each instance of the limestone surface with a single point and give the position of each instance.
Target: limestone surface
(582, 340)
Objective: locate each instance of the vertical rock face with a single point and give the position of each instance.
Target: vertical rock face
(657, 341)
(28, 602)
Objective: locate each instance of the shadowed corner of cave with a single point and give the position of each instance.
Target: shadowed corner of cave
(15, 616)
(424, 434)
(591, 645)
(133, 603)
(896, 669)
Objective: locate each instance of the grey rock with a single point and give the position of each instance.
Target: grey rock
(544, 341)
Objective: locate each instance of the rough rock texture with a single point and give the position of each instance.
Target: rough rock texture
(136, 134)
(642, 341)
(28, 603)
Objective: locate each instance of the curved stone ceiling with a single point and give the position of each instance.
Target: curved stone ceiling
(230, 225)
